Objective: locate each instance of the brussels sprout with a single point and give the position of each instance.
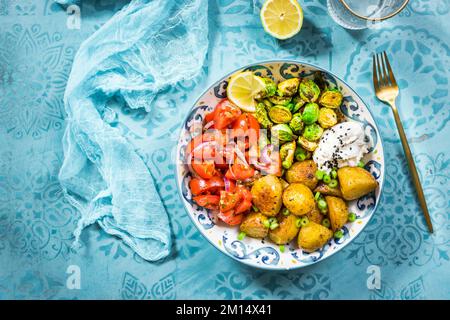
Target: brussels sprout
(298, 103)
(287, 151)
(309, 91)
(290, 106)
(288, 88)
(280, 100)
(327, 117)
(308, 145)
(312, 132)
(262, 117)
(310, 113)
(269, 90)
(280, 114)
(331, 98)
(267, 104)
(296, 123)
(281, 133)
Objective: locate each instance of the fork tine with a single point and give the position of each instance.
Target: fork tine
(374, 74)
(380, 74)
(386, 74)
(391, 74)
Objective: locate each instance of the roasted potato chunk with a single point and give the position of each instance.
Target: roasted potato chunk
(303, 172)
(298, 199)
(315, 216)
(355, 182)
(284, 183)
(267, 195)
(313, 236)
(286, 231)
(326, 190)
(253, 225)
(337, 211)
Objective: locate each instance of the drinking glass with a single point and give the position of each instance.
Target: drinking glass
(362, 14)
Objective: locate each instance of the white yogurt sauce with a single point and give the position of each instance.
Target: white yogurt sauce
(342, 145)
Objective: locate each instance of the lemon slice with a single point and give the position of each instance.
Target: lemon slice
(282, 19)
(242, 89)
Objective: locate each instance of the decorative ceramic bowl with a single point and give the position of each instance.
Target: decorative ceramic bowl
(264, 253)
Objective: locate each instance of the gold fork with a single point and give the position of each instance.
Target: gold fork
(386, 90)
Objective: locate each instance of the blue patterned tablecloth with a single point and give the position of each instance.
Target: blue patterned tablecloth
(36, 223)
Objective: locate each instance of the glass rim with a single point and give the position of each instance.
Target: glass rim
(344, 3)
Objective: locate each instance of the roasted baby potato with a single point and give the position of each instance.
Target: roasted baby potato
(326, 190)
(315, 216)
(286, 231)
(254, 225)
(313, 236)
(355, 182)
(267, 195)
(284, 183)
(337, 211)
(298, 199)
(303, 172)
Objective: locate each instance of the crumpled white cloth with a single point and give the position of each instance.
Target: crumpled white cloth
(144, 48)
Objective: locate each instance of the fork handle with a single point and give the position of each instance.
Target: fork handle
(412, 167)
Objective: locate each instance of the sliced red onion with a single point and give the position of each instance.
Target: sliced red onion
(265, 154)
(227, 183)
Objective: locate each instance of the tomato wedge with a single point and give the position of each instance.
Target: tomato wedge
(205, 169)
(225, 114)
(213, 185)
(240, 171)
(246, 124)
(230, 217)
(245, 199)
(207, 201)
(228, 200)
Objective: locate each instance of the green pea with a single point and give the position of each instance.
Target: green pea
(361, 164)
(333, 183)
(282, 248)
(322, 204)
(326, 178)
(319, 174)
(351, 217)
(338, 234)
(241, 235)
(298, 223)
(326, 223)
(285, 212)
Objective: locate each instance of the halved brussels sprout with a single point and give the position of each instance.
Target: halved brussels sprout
(280, 100)
(262, 117)
(310, 113)
(287, 151)
(312, 132)
(281, 133)
(308, 145)
(298, 103)
(267, 104)
(269, 90)
(331, 98)
(280, 114)
(288, 88)
(296, 123)
(309, 91)
(327, 117)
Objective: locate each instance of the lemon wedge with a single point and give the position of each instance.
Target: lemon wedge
(282, 19)
(242, 89)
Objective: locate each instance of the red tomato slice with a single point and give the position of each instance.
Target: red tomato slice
(245, 199)
(225, 114)
(230, 217)
(213, 185)
(239, 171)
(209, 117)
(206, 169)
(207, 201)
(246, 123)
(228, 200)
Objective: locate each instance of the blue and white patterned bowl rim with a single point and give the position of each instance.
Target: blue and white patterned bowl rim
(267, 255)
